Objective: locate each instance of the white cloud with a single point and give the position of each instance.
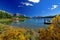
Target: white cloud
(34, 1)
(27, 4)
(53, 7)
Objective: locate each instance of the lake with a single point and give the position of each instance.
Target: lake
(30, 23)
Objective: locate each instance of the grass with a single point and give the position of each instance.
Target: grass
(5, 21)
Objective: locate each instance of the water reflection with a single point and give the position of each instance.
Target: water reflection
(28, 23)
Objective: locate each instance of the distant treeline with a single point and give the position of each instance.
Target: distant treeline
(5, 15)
(9, 15)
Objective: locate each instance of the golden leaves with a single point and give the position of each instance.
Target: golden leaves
(52, 32)
(16, 33)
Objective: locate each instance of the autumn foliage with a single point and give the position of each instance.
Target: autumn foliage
(52, 32)
(15, 33)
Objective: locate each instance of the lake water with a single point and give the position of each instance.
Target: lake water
(30, 23)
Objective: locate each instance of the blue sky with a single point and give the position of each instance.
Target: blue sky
(31, 7)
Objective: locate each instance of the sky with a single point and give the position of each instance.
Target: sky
(31, 7)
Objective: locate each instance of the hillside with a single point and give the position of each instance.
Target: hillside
(4, 14)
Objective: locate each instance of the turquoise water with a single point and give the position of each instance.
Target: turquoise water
(30, 23)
